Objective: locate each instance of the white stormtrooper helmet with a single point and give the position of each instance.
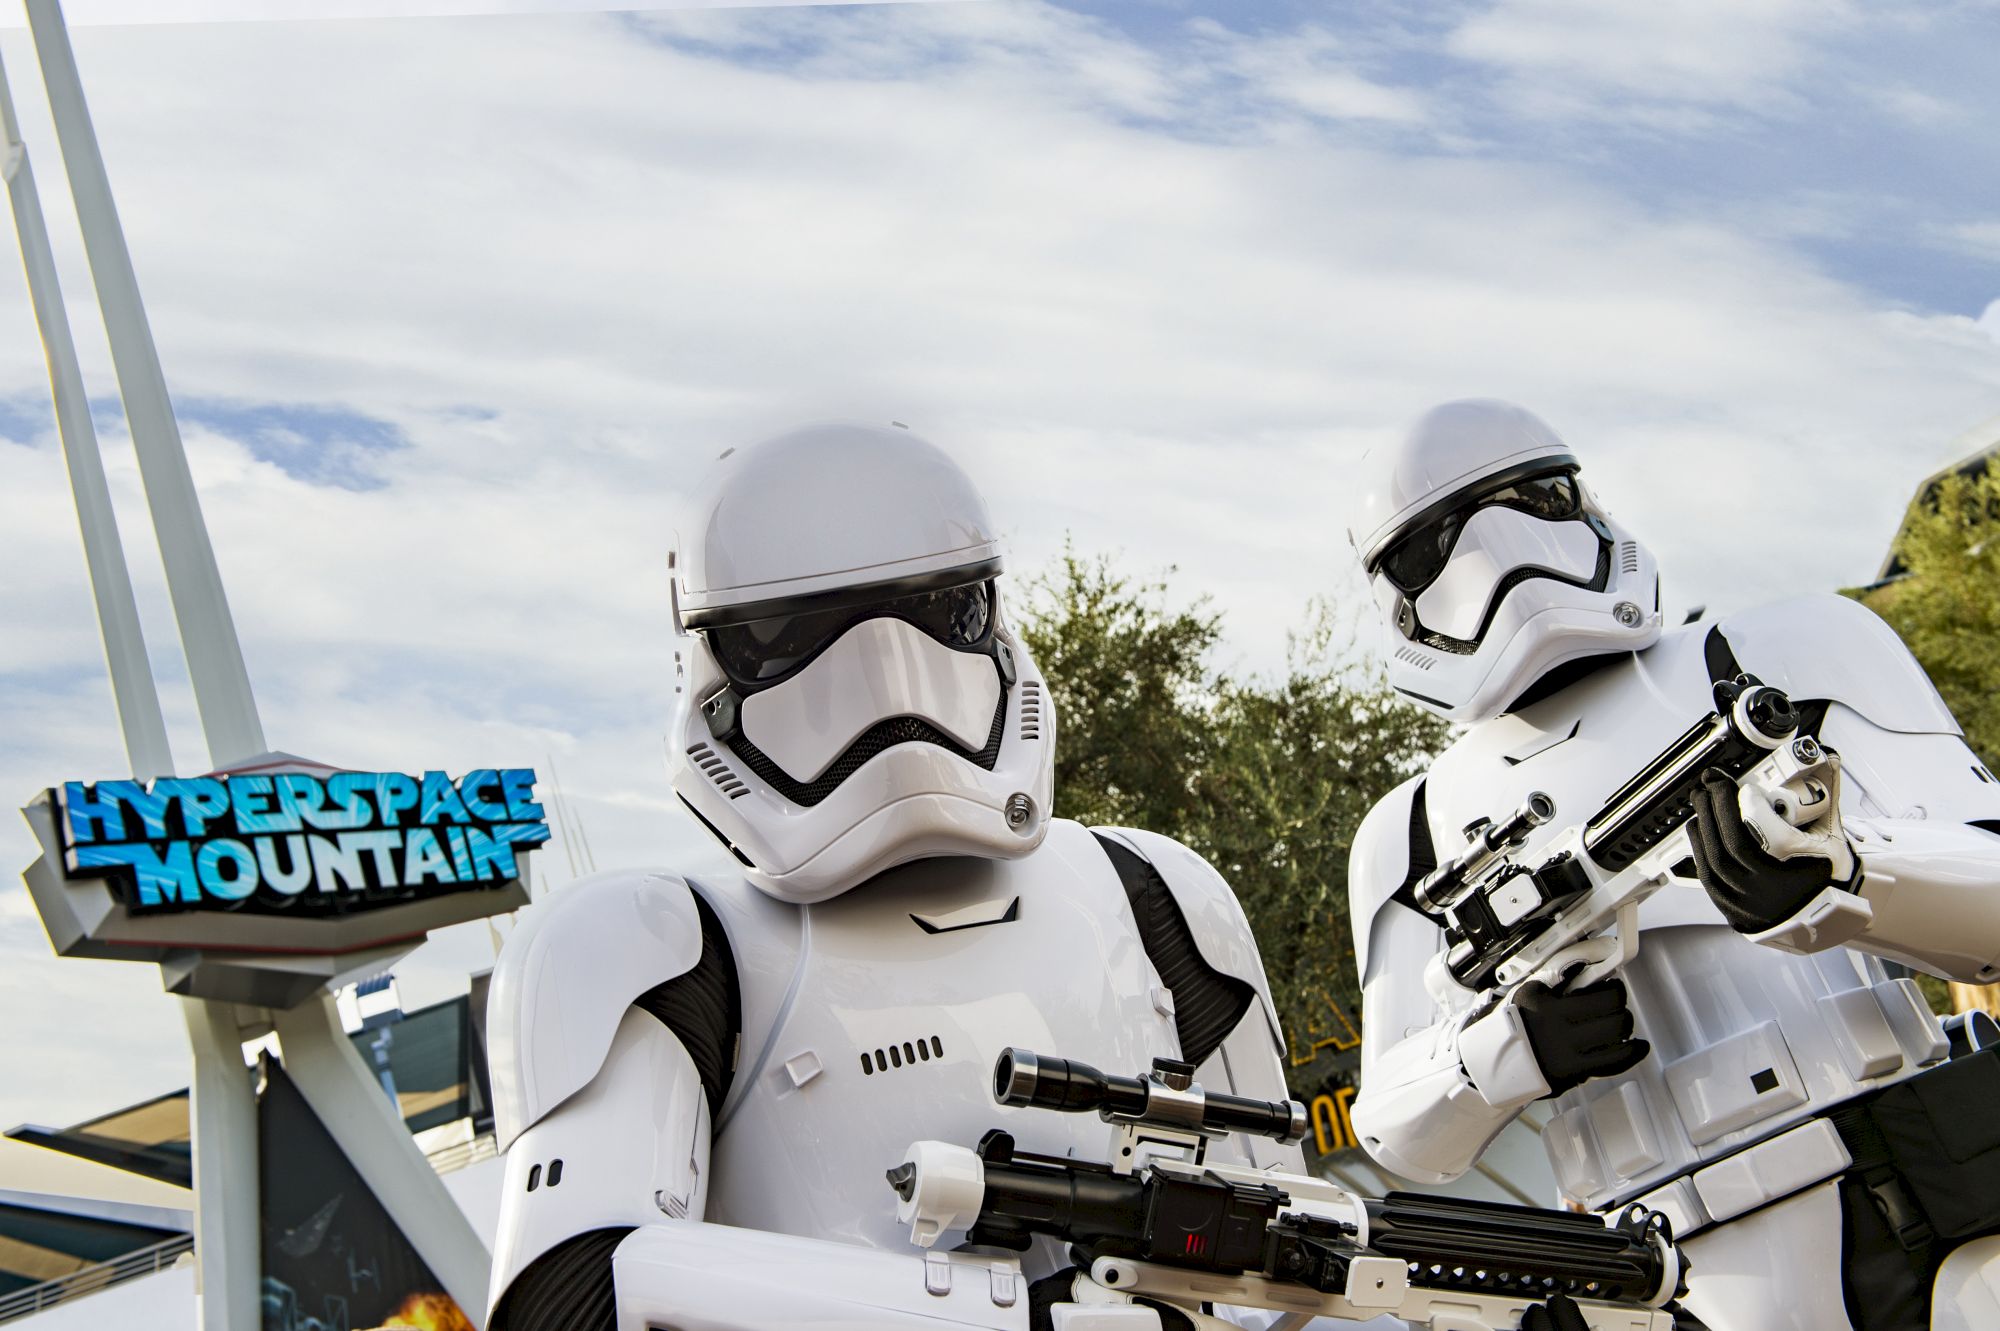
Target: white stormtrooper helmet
(854, 698)
(1491, 562)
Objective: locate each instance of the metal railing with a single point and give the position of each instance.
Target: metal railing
(161, 1255)
(144, 1262)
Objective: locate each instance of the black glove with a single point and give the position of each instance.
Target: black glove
(1580, 1034)
(1752, 888)
(1560, 1313)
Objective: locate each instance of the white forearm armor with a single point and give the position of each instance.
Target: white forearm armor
(1924, 820)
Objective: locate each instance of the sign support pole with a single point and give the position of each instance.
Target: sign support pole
(224, 1104)
(222, 693)
(138, 702)
(223, 1109)
(324, 1064)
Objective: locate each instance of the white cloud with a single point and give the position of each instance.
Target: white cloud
(1989, 322)
(87, 13)
(1312, 71)
(1979, 239)
(1670, 63)
(570, 261)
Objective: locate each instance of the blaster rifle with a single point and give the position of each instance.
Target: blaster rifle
(1157, 1222)
(1572, 916)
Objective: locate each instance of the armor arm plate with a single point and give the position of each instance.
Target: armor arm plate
(627, 1150)
(563, 982)
(1923, 814)
(1420, 1113)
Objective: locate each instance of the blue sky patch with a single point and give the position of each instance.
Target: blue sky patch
(317, 444)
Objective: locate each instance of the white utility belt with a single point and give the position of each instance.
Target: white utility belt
(1754, 1177)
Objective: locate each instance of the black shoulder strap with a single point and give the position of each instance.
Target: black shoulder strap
(704, 1008)
(1423, 854)
(1719, 656)
(1207, 1003)
(1722, 664)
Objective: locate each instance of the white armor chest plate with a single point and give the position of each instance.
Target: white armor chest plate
(1745, 1040)
(877, 1024)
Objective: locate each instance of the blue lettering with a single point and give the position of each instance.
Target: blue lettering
(441, 801)
(345, 789)
(200, 797)
(302, 796)
(378, 845)
(240, 879)
(524, 834)
(161, 880)
(424, 858)
(93, 812)
(492, 857)
(394, 795)
(517, 784)
(461, 861)
(482, 808)
(334, 859)
(252, 797)
(297, 871)
(151, 806)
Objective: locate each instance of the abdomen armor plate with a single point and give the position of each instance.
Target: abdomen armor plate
(904, 994)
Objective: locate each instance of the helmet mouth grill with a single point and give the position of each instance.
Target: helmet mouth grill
(882, 735)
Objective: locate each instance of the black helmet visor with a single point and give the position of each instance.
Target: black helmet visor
(757, 653)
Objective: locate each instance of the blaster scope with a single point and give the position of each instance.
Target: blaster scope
(1165, 1096)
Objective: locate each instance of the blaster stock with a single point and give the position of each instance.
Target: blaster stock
(1156, 1222)
(1507, 921)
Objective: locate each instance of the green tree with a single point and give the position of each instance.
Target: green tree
(1132, 689)
(1267, 778)
(1947, 608)
(1947, 611)
(1298, 762)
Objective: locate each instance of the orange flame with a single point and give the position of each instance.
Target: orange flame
(426, 1312)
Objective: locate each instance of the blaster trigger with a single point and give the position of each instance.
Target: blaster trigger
(1585, 962)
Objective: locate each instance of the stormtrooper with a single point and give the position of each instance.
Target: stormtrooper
(1789, 1101)
(700, 1080)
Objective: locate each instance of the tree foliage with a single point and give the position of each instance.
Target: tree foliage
(1947, 609)
(1268, 778)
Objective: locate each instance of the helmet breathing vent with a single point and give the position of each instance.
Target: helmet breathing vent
(712, 766)
(1412, 656)
(1628, 556)
(1031, 710)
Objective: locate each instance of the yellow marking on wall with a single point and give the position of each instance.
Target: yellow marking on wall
(1333, 1128)
(1346, 1038)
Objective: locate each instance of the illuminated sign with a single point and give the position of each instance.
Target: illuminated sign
(298, 843)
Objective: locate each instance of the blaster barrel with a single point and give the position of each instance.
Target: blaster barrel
(1750, 720)
(1207, 1222)
(1502, 1246)
(1443, 886)
(1040, 1081)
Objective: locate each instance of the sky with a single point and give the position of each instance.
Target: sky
(457, 310)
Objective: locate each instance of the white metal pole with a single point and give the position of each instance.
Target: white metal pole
(132, 688)
(223, 1116)
(228, 709)
(368, 1127)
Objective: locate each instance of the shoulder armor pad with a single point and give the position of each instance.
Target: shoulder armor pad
(575, 963)
(1835, 648)
(1379, 865)
(1222, 933)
